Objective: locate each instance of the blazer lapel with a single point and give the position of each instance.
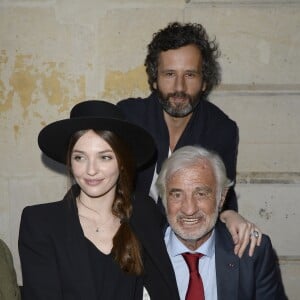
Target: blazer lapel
(78, 252)
(227, 264)
(148, 224)
(158, 253)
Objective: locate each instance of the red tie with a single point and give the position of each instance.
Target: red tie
(195, 289)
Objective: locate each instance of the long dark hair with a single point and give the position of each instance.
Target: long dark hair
(126, 248)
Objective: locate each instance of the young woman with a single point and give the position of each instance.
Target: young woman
(84, 246)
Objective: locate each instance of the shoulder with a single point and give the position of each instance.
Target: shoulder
(5, 253)
(265, 251)
(262, 259)
(131, 106)
(144, 205)
(218, 124)
(213, 112)
(8, 281)
(5, 256)
(3, 247)
(42, 214)
(44, 208)
(145, 212)
(223, 237)
(131, 103)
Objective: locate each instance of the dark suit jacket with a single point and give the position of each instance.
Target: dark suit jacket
(55, 261)
(54, 256)
(209, 127)
(249, 278)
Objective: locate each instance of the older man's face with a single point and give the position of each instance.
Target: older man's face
(192, 208)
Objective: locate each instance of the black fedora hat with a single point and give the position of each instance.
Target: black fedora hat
(54, 139)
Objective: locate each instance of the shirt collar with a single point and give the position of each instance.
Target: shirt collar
(176, 247)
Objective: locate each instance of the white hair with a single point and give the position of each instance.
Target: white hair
(188, 156)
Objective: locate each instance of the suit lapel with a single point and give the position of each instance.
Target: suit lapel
(227, 264)
(157, 251)
(149, 229)
(77, 249)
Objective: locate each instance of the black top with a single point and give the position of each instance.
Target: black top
(109, 280)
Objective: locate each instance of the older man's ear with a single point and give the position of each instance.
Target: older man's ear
(222, 201)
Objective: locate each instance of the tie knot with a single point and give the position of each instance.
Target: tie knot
(192, 260)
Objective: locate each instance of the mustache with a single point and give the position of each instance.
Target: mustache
(179, 95)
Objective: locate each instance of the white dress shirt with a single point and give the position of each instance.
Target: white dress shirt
(153, 189)
(207, 268)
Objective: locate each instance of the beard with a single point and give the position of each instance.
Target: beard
(182, 108)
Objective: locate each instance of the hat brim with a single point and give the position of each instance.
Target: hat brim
(54, 139)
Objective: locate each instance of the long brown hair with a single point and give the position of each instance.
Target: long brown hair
(126, 248)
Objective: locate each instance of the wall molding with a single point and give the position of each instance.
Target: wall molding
(259, 89)
(268, 178)
(244, 2)
(289, 259)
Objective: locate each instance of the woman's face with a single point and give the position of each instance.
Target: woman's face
(94, 166)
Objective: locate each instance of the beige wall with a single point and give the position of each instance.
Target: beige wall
(56, 53)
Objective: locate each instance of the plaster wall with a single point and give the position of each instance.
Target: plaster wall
(54, 54)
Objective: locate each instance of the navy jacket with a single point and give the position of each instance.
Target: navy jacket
(247, 278)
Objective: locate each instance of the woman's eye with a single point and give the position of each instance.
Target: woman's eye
(106, 157)
(77, 157)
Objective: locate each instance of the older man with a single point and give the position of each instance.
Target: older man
(193, 185)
